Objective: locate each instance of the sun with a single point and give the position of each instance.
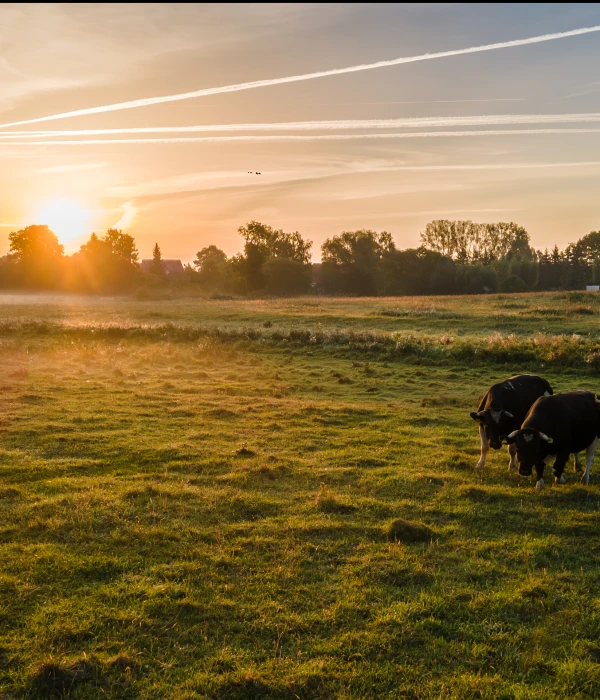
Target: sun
(68, 218)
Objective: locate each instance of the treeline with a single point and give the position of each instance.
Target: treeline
(455, 257)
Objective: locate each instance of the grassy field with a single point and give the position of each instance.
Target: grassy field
(277, 499)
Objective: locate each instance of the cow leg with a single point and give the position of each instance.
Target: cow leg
(539, 470)
(577, 466)
(512, 451)
(485, 446)
(559, 466)
(589, 458)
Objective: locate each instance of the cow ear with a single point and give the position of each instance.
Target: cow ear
(477, 416)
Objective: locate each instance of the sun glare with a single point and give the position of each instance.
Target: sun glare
(66, 217)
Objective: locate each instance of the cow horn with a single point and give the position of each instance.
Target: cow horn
(545, 437)
(513, 434)
(508, 414)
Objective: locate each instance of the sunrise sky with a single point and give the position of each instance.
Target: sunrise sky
(511, 133)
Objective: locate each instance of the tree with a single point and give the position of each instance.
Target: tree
(37, 257)
(107, 264)
(476, 279)
(122, 246)
(263, 243)
(156, 266)
(454, 239)
(271, 243)
(512, 284)
(587, 249)
(527, 270)
(467, 242)
(286, 277)
(352, 261)
(416, 271)
(443, 277)
(211, 263)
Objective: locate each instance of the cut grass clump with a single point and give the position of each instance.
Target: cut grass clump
(60, 680)
(407, 532)
(430, 312)
(10, 493)
(328, 503)
(581, 311)
(541, 311)
(244, 451)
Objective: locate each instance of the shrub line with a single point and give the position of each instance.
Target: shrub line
(563, 350)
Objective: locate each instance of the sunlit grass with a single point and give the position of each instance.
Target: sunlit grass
(230, 515)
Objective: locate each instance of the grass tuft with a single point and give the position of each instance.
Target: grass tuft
(244, 451)
(407, 532)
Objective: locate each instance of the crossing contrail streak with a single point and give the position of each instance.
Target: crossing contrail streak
(316, 137)
(493, 119)
(147, 101)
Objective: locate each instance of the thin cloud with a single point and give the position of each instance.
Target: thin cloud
(408, 214)
(72, 168)
(428, 102)
(590, 88)
(500, 166)
(191, 187)
(145, 102)
(409, 122)
(315, 137)
(129, 215)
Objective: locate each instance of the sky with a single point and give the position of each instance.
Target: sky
(87, 142)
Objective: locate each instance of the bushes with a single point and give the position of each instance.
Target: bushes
(285, 277)
(476, 279)
(512, 283)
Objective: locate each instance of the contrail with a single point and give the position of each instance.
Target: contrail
(498, 166)
(317, 137)
(499, 119)
(147, 101)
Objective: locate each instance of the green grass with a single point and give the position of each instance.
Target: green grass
(196, 505)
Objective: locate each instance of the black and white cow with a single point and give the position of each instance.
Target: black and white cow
(557, 426)
(503, 409)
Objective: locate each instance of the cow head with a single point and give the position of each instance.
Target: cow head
(497, 424)
(532, 448)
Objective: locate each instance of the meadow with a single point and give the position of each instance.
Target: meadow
(277, 499)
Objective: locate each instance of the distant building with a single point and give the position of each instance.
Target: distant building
(592, 288)
(171, 267)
